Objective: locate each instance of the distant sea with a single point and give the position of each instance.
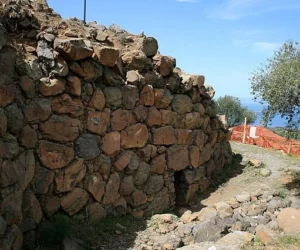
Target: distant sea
(257, 108)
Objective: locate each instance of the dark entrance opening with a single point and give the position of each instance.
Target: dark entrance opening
(181, 188)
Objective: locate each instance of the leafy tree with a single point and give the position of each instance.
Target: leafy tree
(277, 84)
(231, 107)
(251, 115)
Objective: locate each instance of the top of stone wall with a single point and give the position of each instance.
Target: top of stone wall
(37, 27)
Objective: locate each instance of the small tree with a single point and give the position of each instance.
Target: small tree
(251, 115)
(235, 113)
(277, 84)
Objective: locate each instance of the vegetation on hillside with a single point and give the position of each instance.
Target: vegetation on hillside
(234, 111)
(290, 134)
(277, 84)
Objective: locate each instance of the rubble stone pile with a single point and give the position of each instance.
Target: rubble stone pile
(96, 120)
(261, 216)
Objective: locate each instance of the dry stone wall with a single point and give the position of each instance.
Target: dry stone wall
(96, 120)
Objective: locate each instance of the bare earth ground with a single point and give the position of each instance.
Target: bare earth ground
(249, 180)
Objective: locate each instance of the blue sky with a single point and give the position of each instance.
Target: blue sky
(225, 40)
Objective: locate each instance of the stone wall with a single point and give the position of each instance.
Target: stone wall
(96, 120)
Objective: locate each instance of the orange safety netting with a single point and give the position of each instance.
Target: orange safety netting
(266, 139)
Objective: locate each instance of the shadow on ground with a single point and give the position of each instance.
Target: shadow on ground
(292, 182)
(218, 179)
(62, 232)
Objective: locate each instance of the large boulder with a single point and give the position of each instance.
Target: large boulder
(28, 137)
(182, 104)
(11, 173)
(148, 45)
(123, 160)
(61, 128)
(134, 136)
(27, 159)
(98, 122)
(73, 85)
(52, 87)
(37, 110)
(42, 180)
(111, 144)
(7, 91)
(107, 56)
(154, 184)
(96, 211)
(127, 186)
(130, 96)
(72, 202)
(32, 212)
(142, 173)
(288, 220)
(98, 100)
(177, 157)
(147, 96)
(95, 185)
(50, 205)
(113, 97)
(134, 60)
(89, 70)
(164, 136)
(65, 104)
(69, 177)
(3, 122)
(164, 64)
(28, 86)
(11, 208)
(112, 189)
(54, 155)
(162, 98)
(12, 239)
(72, 49)
(15, 119)
(87, 147)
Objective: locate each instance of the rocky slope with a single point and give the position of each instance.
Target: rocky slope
(233, 224)
(96, 121)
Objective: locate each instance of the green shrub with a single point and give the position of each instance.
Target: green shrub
(58, 229)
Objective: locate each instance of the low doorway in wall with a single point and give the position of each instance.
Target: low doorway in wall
(181, 188)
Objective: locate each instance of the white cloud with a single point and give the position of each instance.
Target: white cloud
(237, 9)
(245, 32)
(266, 46)
(187, 1)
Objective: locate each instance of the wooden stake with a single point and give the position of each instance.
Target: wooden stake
(289, 148)
(245, 130)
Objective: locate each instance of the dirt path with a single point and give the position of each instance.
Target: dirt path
(249, 179)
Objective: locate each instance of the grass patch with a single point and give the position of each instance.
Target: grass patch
(286, 242)
(282, 193)
(52, 235)
(293, 156)
(289, 239)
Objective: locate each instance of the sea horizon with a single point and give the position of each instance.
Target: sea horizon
(277, 121)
